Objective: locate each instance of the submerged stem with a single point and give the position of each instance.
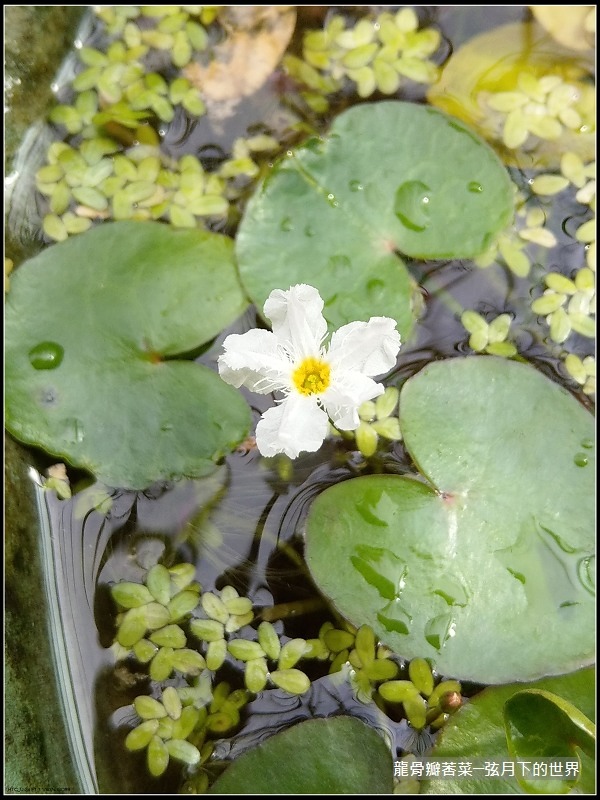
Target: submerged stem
(292, 609)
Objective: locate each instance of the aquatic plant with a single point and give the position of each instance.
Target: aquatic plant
(116, 96)
(318, 383)
(458, 503)
(378, 53)
(187, 716)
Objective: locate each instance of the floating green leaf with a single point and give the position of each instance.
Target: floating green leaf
(131, 595)
(340, 755)
(183, 751)
(139, 737)
(478, 731)
(149, 708)
(336, 212)
(291, 680)
(542, 724)
(486, 567)
(120, 303)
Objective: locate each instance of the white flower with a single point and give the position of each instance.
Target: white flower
(317, 382)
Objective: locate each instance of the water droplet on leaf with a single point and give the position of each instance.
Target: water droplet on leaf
(395, 618)
(46, 355)
(411, 205)
(74, 432)
(439, 629)
(339, 264)
(376, 290)
(452, 591)
(586, 573)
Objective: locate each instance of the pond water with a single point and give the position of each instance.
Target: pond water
(243, 524)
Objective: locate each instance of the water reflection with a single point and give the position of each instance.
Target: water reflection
(73, 547)
(233, 525)
(239, 526)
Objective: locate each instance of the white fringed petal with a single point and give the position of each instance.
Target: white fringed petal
(255, 360)
(348, 391)
(368, 347)
(297, 319)
(294, 425)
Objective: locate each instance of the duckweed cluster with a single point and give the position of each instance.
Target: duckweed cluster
(539, 107)
(164, 730)
(176, 30)
(424, 702)
(489, 337)
(180, 721)
(582, 371)
(109, 164)
(228, 614)
(375, 676)
(510, 247)
(148, 622)
(377, 421)
(546, 108)
(376, 54)
(183, 724)
(567, 303)
(116, 86)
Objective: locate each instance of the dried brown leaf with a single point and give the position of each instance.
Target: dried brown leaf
(240, 65)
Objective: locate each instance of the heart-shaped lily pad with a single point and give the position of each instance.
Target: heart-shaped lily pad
(336, 212)
(486, 566)
(93, 328)
(340, 755)
(478, 731)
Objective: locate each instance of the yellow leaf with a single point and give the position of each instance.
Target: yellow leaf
(567, 24)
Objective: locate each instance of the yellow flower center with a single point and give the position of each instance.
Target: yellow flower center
(312, 376)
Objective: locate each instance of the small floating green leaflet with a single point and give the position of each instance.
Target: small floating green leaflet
(95, 327)
(489, 77)
(493, 542)
(389, 179)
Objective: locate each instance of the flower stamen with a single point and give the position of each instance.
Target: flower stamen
(312, 376)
